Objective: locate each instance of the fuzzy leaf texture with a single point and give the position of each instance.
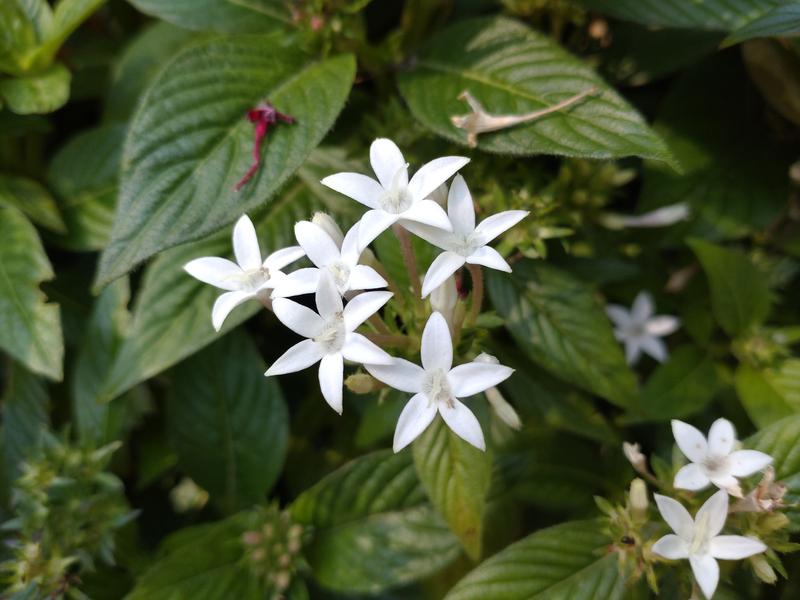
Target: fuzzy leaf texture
(769, 394)
(32, 199)
(783, 20)
(564, 562)
(229, 16)
(30, 327)
(511, 69)
(188, 144)
(24, 412)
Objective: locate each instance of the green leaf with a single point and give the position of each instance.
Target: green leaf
(39, 93)
(17, 37)
(783, 20)
(31, 198)
(510, 68)
(566, 562)
(188, 144)
(67, 16)
(172, 311)
(84, 176)
(558, 322)
(740, 297)
(228, 423)
(456, 476)
(712, 120)
(205, 562)
(781, 440)
(769, 394)
(720, 15)
(373, 529)
(218, 15)
(24, 412)
(680, 387)
(30, 327)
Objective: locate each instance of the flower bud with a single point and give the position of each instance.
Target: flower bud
(772, 523)
(762, 569)
(327, 223)
(638, 500)
(635, 457)
(444, 299)
(361, 383)
(499, 404)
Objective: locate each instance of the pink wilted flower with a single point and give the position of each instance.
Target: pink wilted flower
(263, 116)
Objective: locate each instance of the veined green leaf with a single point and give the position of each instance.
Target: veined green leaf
(218, 15)
(740, 297)
(722, 15)
(769, 394)
(782, 20)
(84, 175)
(228, 423)
(564, 562)
(38, 93)
(24, 412)
(189, 144)
(456, 476)
(67, 16)
(511, 69)
(559, 324)
(781, 440)
(31, 198)
(30, 327)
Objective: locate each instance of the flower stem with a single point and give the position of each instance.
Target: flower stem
(379, 325)
(397, 341)
(476, 273)
(409, 259)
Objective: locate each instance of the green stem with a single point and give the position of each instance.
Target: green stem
(476, 274)
(409, 259)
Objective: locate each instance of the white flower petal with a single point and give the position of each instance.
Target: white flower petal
(359, 349)
(433, 174)
(328, 300)
(351, 250)
(706, 573)
(363, 277)
(427, 212)
(362, 307)
(713, 513)
(359, 187)
(442, 267)
(436, 346)
(318, 245)
(619, 315)
(300, 319)
(672, 547)
(642, 308)
(415, 418)
(735, 547)
(225, 304)
(690, 440)
(662, 325)
(400, 374)
(245, 244)
(471, 378)
(331, 374)
(463, 423)
(300, 356)
(489, 257)
(676, 516)
(219, 272)
(494, 225)
(386, 158)
(721, 437)
(654, 347)
(296, 283)
(440, 238)
(726, 481)
(691, 477)
(460, 209)
(372, 224)
(743, 463)
(280, 258)
(632, 351)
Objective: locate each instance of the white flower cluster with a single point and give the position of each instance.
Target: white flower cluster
(339, 281)
(713, 460)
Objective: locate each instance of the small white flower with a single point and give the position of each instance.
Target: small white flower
(437, 386)
(497, 401)
(466, 243)
(393, 197)
(661, 217)
(247, 280)
(640, 330)
(699, 540)
(327, 256)
(714, 460)
(331, 337)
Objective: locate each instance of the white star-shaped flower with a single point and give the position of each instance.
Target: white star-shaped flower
(466, 243)
(437, 387)
(246, 279)
(640, 330)
(331, 337)
(714, 460)
(699, 540)
(393, 197)
(340, 263)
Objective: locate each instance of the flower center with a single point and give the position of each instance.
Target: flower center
(637, 330)
(716, 465)
(699, 543)
(396, 200)
(332, 335)
(463, 244)
(340, 273)
(437, 388)
(253, 280)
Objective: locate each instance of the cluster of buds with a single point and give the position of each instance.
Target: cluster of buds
(67, 507)
(273, 549)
